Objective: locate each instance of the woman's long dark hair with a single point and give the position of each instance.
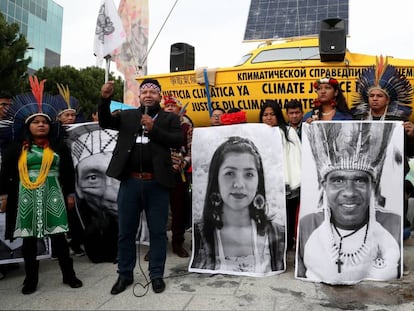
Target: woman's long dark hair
(213, 205)
(281, 122)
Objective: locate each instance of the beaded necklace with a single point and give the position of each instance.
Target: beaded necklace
(353, 258)
(47, 160)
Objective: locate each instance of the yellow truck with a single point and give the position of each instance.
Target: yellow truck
(278, 71)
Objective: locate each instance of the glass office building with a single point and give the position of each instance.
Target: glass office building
(40, 22)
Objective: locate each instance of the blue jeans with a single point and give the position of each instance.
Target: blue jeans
(135, 195)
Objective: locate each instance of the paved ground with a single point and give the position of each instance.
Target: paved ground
(190, 291)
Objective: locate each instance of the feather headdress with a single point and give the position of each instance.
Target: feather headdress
(360, 146)
(65, 101)
(25, 107)
(387, 79)
(349, 146)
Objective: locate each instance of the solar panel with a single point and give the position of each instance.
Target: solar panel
(279, 19)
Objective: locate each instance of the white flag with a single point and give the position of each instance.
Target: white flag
(109, 32)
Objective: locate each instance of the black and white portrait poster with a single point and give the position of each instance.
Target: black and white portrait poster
(350, 222)
(238, 192)
(96, 193)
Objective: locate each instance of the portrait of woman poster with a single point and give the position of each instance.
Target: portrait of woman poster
(239, 215)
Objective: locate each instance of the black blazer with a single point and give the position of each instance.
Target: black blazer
(165, 134)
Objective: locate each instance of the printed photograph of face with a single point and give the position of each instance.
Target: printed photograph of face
(350, 220)
(238, 201)
(348, 194)
(94, 186)
(92, 149)
(238, 180)
(97, 193)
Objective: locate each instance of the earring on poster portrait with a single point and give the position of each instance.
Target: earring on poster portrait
(259, 205)
(215, 199)
(259, 202)
(216, 202)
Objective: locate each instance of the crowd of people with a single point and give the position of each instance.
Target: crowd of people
(151, 165)
(384, 94)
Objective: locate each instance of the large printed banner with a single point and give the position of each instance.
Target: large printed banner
(350, 221)
(131, 57)
(238, 192)
(96, 193)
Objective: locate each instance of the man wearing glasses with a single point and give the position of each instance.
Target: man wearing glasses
(215, 118)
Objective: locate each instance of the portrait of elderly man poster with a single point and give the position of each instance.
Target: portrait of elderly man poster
(239, 215)
(350, 221)
(96, 193)
(92, 149)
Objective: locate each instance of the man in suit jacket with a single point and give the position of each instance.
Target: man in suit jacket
(141, 160)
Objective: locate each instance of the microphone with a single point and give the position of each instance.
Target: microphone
(143, 126)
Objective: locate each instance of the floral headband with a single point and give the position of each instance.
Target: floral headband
(326, 80)
(170, 100)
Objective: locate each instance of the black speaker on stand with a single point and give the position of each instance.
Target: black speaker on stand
(181, 57)
(332, 40)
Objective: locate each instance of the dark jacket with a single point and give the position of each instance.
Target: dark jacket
(165, 134)
(9, 179)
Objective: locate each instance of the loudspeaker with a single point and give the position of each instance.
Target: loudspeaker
(181, 57)
(332, 40)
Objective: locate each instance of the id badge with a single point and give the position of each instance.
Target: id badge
(142, 140)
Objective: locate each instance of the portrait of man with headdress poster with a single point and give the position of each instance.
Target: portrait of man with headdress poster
(239, 216)
(350, 219)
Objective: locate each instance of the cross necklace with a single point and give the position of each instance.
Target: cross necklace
(339, 261)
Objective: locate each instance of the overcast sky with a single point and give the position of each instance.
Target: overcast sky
(216, 29)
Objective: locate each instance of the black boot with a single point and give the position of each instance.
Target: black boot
(61, 247)
(31, 268)
(69, 276)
